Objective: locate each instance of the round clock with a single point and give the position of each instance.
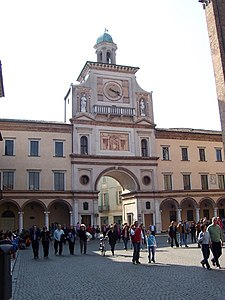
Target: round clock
(113, 90)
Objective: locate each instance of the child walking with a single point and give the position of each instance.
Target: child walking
(151, 245)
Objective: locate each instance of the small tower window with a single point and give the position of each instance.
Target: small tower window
(108, 58)
(83, 145)
(100, 56)
(144, 148)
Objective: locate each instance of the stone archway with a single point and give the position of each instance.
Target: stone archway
(207, 206)
(168, 208)
(221, 207)
(126, 178)
(114, 199)
(60, 212)
(9, 215)
(188, 209)
(33, 214)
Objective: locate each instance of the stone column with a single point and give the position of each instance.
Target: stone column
(75, 212)
(197, 214)
(158, 219)
(71, 217)
(95, 212)
(20, 213)
(179, 214)
(215, 211)
(47, 218)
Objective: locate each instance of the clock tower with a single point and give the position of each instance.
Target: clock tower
(113, 135)
(215, 18)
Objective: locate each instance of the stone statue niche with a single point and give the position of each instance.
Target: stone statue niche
(83, 103)
(142, 106)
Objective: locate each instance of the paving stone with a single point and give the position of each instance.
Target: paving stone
(177, 274)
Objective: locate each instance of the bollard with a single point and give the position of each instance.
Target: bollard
(5, 270)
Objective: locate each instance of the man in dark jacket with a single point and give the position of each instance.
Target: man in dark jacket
(35, 237)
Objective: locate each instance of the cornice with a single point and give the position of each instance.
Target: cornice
(104, 67)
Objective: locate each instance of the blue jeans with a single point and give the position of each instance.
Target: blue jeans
(136, 253)
(183, 239)
(151, 252)
(125, 241)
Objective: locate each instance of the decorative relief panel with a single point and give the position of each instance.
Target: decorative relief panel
(114, 141)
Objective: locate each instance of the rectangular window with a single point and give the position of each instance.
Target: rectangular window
(33, 180)
(118, 197)
(168, 182)
(218, 155)
(165, 153)
(34, 148)
(204, 182)
(59, 181)
(187, 181)
(221, 182)
(8, 180)
(201, 154)
(206, 213)
(173, 215)
(190, 215)
(59, 149)
(184, 153)
(9, 147)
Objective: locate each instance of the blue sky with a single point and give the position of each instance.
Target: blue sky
(45, 44)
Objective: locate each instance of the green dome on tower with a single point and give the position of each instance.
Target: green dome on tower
(105, 37)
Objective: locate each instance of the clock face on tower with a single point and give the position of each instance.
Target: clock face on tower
(113, 90)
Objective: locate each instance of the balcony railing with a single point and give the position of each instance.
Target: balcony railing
(103, 208)
(114, 110)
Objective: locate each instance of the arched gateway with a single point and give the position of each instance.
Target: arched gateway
(113, 136)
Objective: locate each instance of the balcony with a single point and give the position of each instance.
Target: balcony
(113, 110)
(103, 208)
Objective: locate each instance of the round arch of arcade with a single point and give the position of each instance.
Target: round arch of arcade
(33, 212)
(188, 209)
(125, 177)
(130, 184)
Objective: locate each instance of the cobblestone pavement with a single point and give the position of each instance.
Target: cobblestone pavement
(177, 274)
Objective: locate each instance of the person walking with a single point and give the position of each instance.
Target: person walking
(125, 235)
(151, 246)
(59, 236)
(71, 237)
(83, 238)
(172, 231)
(204, 241)
(193, 232)
(112, 235)
(217, 238)
(182, 229)
(35, 237)
(45, 237)
(136, 238)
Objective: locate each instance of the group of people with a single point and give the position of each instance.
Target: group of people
(60, 235)
(207, 236)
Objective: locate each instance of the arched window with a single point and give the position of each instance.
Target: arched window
(99, 56)
(108, 57)
(83, 145)
(144, 148)
(148, 205)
